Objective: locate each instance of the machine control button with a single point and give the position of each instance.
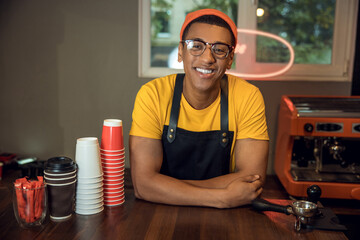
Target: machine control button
(308, 127)
(357, 128)
(355, 193)
(328, 127)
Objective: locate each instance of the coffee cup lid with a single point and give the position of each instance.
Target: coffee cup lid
(60, 164)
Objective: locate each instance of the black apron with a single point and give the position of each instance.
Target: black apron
(196, 155)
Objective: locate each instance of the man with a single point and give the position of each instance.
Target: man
(200, 138)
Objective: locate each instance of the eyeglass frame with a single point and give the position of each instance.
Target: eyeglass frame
(231, 48)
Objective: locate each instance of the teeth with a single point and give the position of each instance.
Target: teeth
(205, 71)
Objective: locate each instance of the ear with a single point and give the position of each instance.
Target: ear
(230, 60)
(180, 52)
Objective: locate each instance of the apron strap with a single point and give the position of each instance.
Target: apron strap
(224, 109)
(174, 115)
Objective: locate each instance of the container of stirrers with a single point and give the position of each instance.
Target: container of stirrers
(30, 202)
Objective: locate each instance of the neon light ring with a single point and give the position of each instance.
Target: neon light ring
(241, 48)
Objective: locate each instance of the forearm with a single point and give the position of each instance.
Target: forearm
(224, 180)
(164, 189)
(217, 182)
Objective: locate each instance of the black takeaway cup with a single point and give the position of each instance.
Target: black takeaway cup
(60, 177)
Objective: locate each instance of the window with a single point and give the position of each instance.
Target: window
(321, 32)
(160, 22)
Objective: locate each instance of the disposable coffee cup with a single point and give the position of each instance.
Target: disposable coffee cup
(114, 203)
(60, 165)
(87, 157)
(119, 161)
(86, 206)
(54, 178)
(119, 155)
(95, 178)
(113, 168)
(114, 173)
(112, 161)
(89, 191)
(114, 157)
(61, 200)
(60, 180)
(114, 182)
(114, 195)
(59, 175)
(90, 201)
(86, 186)
(118, 203)
(89, 196)
(113, 165)
(90, 180)
(117, 187)
(89, 211)
(112, 135)
(116, 177)
(113, 199)
(116, 151)
(114, 186)
(107, 191)
(120, 172)
(87, 141)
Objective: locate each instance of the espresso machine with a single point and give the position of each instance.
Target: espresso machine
(318, 142)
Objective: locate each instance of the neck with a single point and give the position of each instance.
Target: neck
(200, 99)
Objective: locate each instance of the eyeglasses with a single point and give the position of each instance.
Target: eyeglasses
(197, 47)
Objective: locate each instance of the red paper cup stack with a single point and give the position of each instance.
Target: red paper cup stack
(112, 155)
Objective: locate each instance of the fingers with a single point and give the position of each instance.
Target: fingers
(244, 189)
(256, 190)
(256, 187)
(259, 191)
(251, 178)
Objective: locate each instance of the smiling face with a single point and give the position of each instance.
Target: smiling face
(203, 73)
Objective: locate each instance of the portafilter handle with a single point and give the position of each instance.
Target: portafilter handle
(263, 205)
(314, 193)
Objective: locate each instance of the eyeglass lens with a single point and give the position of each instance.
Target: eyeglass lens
(197, 48)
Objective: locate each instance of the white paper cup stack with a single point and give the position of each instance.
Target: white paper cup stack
(89, 191)
(112, 154)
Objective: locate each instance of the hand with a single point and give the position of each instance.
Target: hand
(242, 191)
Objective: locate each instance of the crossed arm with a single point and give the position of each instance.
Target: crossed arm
(225, 191)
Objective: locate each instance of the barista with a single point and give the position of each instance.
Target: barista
(200, 138)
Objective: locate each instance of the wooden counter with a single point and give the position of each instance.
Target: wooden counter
(137, 219)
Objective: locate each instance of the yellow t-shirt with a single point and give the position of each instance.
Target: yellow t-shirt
(246, 111)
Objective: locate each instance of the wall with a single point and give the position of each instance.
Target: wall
(65, 66)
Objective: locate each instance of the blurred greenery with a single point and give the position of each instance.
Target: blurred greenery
(306, 24)
(230, 7)
(157, 18)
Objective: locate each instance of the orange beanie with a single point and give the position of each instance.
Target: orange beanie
(194, 15)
